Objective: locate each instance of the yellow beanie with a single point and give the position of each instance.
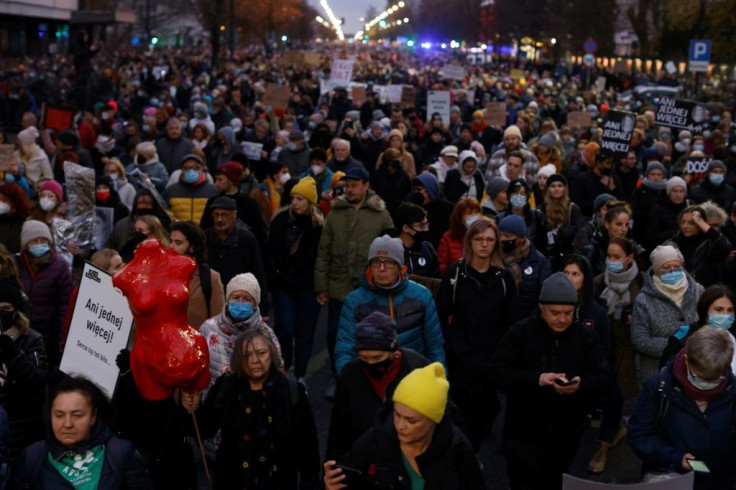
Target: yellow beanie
(479, 114)
(425, 390)
(307, 188)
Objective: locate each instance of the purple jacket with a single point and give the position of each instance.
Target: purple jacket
(48, 293)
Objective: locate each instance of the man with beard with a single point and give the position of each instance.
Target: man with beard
(512, 142)
(356, 219)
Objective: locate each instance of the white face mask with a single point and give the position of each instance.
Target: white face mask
(47, 204)
(317, 169)
(4, 208)
(285, 178)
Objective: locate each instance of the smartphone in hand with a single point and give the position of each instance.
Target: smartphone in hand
(698, 466)
(353, 476)
(565, 382)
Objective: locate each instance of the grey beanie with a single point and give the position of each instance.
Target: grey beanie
(547, 140)
(654, 166)
(716, 164)
(496, 185)
(600, 200)
(377, 331)
(390, 248)
(557, 289)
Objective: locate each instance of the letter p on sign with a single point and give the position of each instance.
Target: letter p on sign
(699, 55)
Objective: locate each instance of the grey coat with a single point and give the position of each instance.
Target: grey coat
(656, 317)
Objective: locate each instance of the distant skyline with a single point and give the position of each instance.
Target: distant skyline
(351, 10)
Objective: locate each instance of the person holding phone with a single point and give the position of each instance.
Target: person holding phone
(413, 443)
(684, 418)
(551, 368)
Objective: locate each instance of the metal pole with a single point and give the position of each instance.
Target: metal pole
(231, 44)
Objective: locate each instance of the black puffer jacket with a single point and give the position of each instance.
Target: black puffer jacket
(535, 268)
(292, 243)
(448, 462)
(663, 221)
(705, 254)
(22, 393)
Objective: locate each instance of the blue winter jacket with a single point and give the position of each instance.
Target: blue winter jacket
(683, 428)
(412, 307)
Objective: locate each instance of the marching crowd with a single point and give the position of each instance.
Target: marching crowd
(458, 261)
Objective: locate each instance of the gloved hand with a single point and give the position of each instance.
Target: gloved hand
(123, 361)
(7, 348)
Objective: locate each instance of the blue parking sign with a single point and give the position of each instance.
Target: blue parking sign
(699, 55)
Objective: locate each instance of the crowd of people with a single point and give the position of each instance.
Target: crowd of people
(459, 262)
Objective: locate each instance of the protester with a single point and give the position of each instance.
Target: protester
(452, 243)
(14, 209)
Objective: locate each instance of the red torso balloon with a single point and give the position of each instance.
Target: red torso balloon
(167, 353)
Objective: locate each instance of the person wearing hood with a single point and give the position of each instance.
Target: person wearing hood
(33, 158)
(412, 228)
(105, 147)
(547, 152)
(430, 151)
(148, 166)
(342, 160)
(318, 170)
(296, 154)
(529, 267)
(713, 188)
(663, 216)
(390, 181)
(396, 141)
(201, 116)
(349, 133)
(427, 192)
(23, 361)
(465, 180)
(79, 449)
(222, 149)
(615, 225)
(321, 136)
(475, 304)
(552, 369)
(521, 203)
(124, 230)
(240, 313)
(667, 301)
(703, 247)
(685, 412)
(107, 197)
(385, 287)
(373, 144)
(495, 205)
(47, 282)
(188, 197)
(173, 146)
(448, 160)
(644, 197)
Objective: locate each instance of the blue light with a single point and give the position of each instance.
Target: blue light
(135, 41)
(427, 45)
(410, 43)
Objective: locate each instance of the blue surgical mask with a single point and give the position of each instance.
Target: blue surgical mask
(191, 176)
(720, 321)
(614, 267)
(518, 201)
(311, 125)
(707, 133)
(291, 146)
(470, 220)
(716, 179)
(672, 277)
(9, 178)
(240, 311)
(701, 384)
(39, 249)
(698, 147)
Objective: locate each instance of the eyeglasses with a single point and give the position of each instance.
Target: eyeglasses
(482, 239)
(421, 226)
(387, 263)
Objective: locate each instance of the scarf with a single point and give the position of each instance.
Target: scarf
(81, 471)
(512, 259)
(656, 186)
(380, 385)
(675, 292)
(479, 128)
(273, 195)
(679, 370)
(616, 294)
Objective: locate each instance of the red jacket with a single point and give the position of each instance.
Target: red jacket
(449, 251)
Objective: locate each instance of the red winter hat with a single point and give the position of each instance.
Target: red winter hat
(231, 170)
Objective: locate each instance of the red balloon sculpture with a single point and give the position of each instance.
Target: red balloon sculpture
(167, 353)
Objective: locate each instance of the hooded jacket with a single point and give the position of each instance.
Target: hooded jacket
(344, 243)
(217, 154)
(408, 303)
(171, 151)
(655, 318)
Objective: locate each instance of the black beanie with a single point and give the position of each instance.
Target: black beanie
(377, 331)
(10, 293)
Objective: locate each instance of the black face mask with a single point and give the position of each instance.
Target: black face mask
(508, 246)
(143, 212)
(605, 171)
(140, 159)
(378, 370)
(420, 236)
(7, 320)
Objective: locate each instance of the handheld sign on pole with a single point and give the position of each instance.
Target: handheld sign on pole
(681, 114)
(100, 327)
(699, 55)
(617, 131)
(439, 101)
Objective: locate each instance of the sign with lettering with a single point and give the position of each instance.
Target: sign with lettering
(439, 101)
(453, 72)
(496, 114)
(698, 166)
(408, 96)
(276, 96)
(99, 330)
(681, 114)
(579, 119)
(617, 131)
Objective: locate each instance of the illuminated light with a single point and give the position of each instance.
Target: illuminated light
(284, 38)
(426, 45)
(483, 47)
(553, 40)
(154, 40)
(406, 20)
(222, 28)
(401, 4)
(398, 22)
(410, 43)
(443, 46)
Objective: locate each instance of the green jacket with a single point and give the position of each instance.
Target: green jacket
(344, 244)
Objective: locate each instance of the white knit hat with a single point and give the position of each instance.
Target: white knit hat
(547, 170)
(244, 282)
(33, 229)
(28, 135)
(663, 254)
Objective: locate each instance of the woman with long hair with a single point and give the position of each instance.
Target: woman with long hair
(450, 249)
(561, 219)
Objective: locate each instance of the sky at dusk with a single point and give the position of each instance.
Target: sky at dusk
(351, 10)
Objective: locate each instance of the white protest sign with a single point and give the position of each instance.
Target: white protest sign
(100, 328)
(342, 72)
(670, 67)
(252, 150)
(393, 94)
(454, 72)
(439, 101)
